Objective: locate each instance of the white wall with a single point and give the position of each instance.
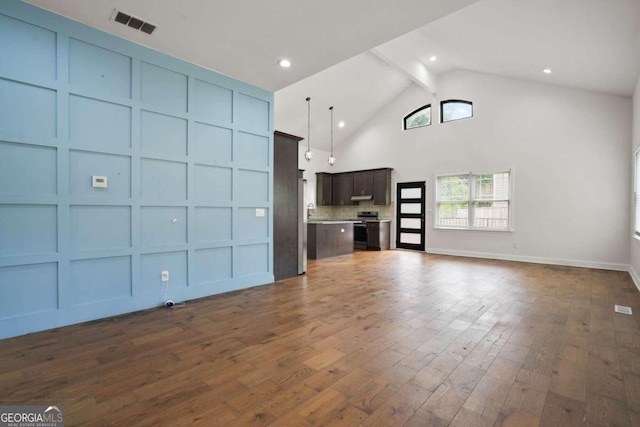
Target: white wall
(569, 151)
(318, 163)
(635, 243)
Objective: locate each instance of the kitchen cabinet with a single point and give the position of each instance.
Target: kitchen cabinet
(330, 238)
(288, 226)
(343, 189)
(338, 189)
(363, 183)
(378, 235)
(382, 186)
(324, 189)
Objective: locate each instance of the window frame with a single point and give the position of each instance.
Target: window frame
(471, 176)
(636, 194)
(424, 107)
(454, 101)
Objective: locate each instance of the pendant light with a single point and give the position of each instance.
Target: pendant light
(331, 160)
(308, 154)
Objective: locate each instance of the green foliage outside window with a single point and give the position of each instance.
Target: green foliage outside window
(418, 118)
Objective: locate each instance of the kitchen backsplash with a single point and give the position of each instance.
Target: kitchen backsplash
(351, 212)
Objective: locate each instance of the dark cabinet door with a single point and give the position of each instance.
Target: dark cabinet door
(373, 235)
(336, 183)
(382, 187)
(324, 189)
(363, 183)
(346, 189)
(378, 236)
(342, 189)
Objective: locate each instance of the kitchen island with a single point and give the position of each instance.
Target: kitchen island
(329, 238)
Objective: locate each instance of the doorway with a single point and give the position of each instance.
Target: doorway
(410, 230)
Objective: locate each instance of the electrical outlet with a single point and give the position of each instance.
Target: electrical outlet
(164, 276)
(515, 246)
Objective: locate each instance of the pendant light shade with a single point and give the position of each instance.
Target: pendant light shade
(331, 160)
(308, 154)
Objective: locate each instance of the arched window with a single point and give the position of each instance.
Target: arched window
(418, 118)
(455, 109)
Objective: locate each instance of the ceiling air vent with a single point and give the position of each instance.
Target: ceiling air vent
(133, 22)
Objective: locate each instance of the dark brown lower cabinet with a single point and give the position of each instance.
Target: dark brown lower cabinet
(327, 240)
(378, 235)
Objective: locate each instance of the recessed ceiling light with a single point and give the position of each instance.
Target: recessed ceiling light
(341, 124)
(547, 71)
(433, 58)
(285, 63)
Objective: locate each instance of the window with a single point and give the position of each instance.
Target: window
(636, 226)
(474, 201)
(418, 118)
(455, 109)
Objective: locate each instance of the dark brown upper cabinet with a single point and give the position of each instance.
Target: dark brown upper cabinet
(324, 189)
(339, 189)
(382, 187)
(363, 183)
(343, 189)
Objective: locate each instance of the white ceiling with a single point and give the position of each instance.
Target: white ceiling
(588, 44)
(357, 88)
(245, 39)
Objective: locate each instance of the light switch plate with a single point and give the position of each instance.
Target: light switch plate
(260, 212)
(99, 181)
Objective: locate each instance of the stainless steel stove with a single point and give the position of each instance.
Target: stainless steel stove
(360, 229)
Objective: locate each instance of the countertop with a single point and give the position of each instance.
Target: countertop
(344, 221)
(332, 221)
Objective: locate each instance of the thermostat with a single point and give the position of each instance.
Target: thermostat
(99, 181)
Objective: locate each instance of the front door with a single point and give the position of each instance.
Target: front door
(410, 215)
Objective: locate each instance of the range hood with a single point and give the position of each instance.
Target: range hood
(358, 198)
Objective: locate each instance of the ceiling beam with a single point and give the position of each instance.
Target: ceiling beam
(400, 53)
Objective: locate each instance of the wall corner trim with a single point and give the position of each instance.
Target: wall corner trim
(635, 277)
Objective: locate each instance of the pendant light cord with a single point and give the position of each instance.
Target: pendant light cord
(331, 109)
(308, 123)
(308, 154)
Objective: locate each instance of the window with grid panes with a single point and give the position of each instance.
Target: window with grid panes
(474, 201)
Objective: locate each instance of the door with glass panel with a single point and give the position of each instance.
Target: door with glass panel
(410, 215)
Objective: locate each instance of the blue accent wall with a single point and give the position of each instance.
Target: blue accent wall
(188, 158)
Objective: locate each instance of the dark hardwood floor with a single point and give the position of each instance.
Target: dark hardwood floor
(386, 338)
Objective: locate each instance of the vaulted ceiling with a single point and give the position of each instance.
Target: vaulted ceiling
(245, 39)
(587, 44)
(359, 55)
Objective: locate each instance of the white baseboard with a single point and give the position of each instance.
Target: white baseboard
(538, 260)
(635, 277)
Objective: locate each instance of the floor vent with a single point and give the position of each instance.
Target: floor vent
(623, 309)
(133, 22)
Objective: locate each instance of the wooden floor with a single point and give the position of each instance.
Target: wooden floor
(387, 338)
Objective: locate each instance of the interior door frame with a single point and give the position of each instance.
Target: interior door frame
(399, 201)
